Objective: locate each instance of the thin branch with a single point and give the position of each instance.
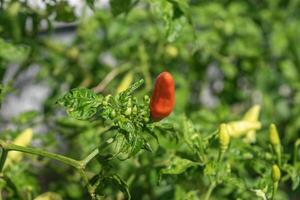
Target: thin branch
(109, 77)
(35, 151)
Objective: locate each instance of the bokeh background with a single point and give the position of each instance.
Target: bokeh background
(225, 56)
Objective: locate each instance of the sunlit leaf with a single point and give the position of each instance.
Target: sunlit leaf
(80, 103)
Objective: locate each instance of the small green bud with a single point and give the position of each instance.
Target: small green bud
(146, 119)
(104, 103)
(273, 135)
(134, 110)
(129, 103)
(128, 111)
(247, 156)
(146, 99)
(224, 138)
(113, 114)
(268, 156)
(276, 174)
(106, 100)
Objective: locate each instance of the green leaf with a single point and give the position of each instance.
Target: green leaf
(122, 185)
(177, 165)
(80, 103)
(120, 6)
(136, 144)
(127, 126)
(128, 145)
(91, 3)
(181, 5)
(11, 52)
(294, 173)
(64, 12)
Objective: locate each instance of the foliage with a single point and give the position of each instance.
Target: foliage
(99, 64)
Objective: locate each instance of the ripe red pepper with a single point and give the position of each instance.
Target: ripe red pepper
(163, 97)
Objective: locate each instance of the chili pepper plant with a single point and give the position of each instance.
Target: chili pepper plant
(149, 99)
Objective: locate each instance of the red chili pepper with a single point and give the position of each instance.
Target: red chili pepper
(163, 97)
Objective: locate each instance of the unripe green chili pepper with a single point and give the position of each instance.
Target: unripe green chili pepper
(276, 174)
(275, 141)
(224, 138)
(163, 97)
(273, 135)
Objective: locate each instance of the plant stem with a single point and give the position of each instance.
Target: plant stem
(79, 165)
(90, 188)
(209, 191)
(89, 157)
(220, 156)
(297, 143)
(275, 186)
(3, 158)
(278, 154)
(66, 160)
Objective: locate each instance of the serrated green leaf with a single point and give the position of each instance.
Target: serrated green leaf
(136, 144)
(127, 126)
(121, 184)
(80, 103)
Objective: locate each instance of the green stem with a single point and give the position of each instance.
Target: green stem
(275, 186)
(79, 165)
(278, 154)
(66, 160)
(209, 191)
(297, 143)
(220, 156)
(90, 188)
(3, 158)
(89, 157)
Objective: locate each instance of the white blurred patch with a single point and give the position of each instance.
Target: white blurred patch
(29, 96)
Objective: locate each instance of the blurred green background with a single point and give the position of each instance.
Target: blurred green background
(225, 56)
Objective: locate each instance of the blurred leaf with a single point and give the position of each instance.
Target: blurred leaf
(129, 91)
(121, 184)
(13, 53)
(120, 6)
(64, 12)
(177, 165)
(172, 13)
(91, 3)
(48, 196)
(126, 82)
(294, 173)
